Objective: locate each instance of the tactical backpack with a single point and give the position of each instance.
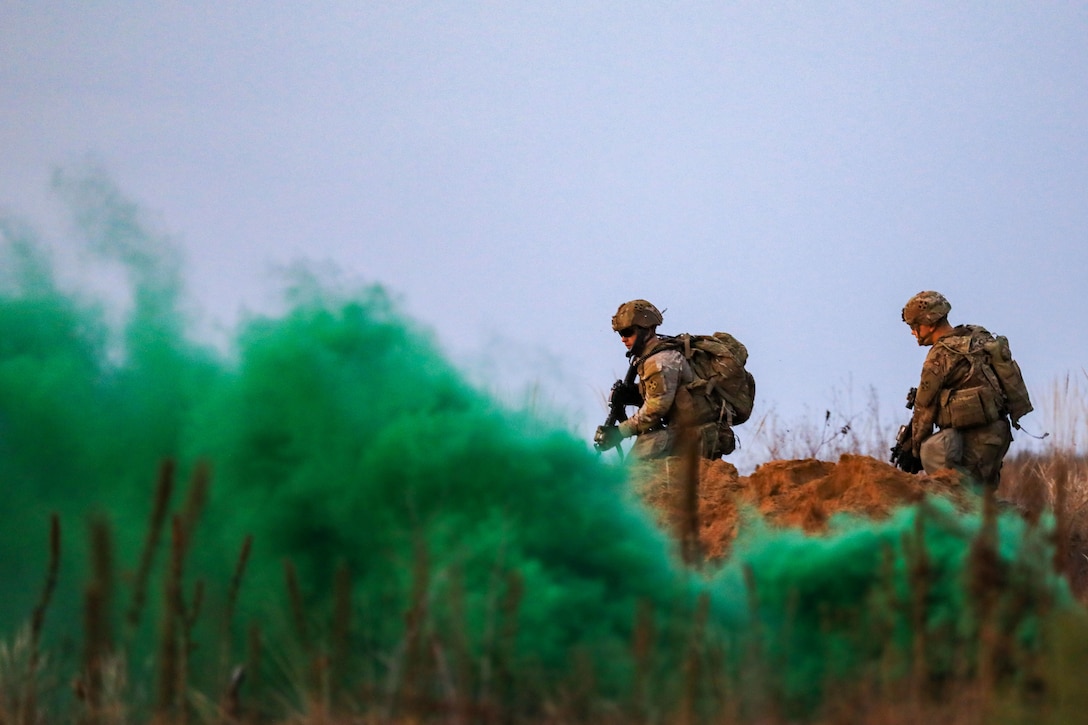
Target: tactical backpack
(1008, 375)
(992, 357)
(717, 363)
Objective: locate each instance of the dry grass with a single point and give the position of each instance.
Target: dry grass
(433, 675)
(846, 426)
(1048, 474)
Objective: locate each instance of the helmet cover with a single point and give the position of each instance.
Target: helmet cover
(926, 308)
(638, 313)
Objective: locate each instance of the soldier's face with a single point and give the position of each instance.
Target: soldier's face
(629, 335)
(923, 334)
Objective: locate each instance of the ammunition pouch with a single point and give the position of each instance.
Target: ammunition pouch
(727, 440)
(714, 440)
(970, 407)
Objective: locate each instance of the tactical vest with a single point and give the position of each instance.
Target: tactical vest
(977, 399)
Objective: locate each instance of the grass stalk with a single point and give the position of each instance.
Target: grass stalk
(196, 500)
(692, 674)
(1060, 476)
(690, 546)
(919, 574)
(406, 672)
(340, 627)
(461, 704)
(233, 592)
(163, 491)
(29, 708)
(509, 625)
(98, 639)
(298, 605)
(173, 644)
(987, 577)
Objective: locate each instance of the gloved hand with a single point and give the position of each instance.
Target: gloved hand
(607, 437)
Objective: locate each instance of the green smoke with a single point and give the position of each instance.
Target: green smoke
(336, 435)
(339, 438)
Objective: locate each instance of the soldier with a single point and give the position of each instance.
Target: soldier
(667, 407)
(960, 392)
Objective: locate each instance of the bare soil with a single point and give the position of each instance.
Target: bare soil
(803, 494)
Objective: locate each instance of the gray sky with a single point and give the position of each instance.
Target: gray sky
(789, 172)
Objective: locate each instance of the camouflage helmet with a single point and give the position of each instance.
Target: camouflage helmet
(636, 313)
(926, 308)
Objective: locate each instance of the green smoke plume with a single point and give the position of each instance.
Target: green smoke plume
(339, 439)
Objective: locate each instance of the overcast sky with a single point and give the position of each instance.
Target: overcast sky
(789, 172)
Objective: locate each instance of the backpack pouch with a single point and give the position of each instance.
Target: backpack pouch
(971, 407)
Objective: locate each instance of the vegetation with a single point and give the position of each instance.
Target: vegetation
(1014, 657)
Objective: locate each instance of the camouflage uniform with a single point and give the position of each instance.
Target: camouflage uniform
(960, 394)
(668, 407)
(669, 411)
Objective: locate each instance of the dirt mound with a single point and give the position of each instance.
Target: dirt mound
(802, 494)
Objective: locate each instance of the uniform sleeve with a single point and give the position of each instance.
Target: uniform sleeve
(926, 403)
(659, 379)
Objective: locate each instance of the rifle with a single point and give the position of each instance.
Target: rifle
(624, 392)
(903, 456)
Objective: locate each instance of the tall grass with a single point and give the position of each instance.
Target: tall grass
(847, 425)
(1049, 474)
(687, 671)
(1013, 656)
